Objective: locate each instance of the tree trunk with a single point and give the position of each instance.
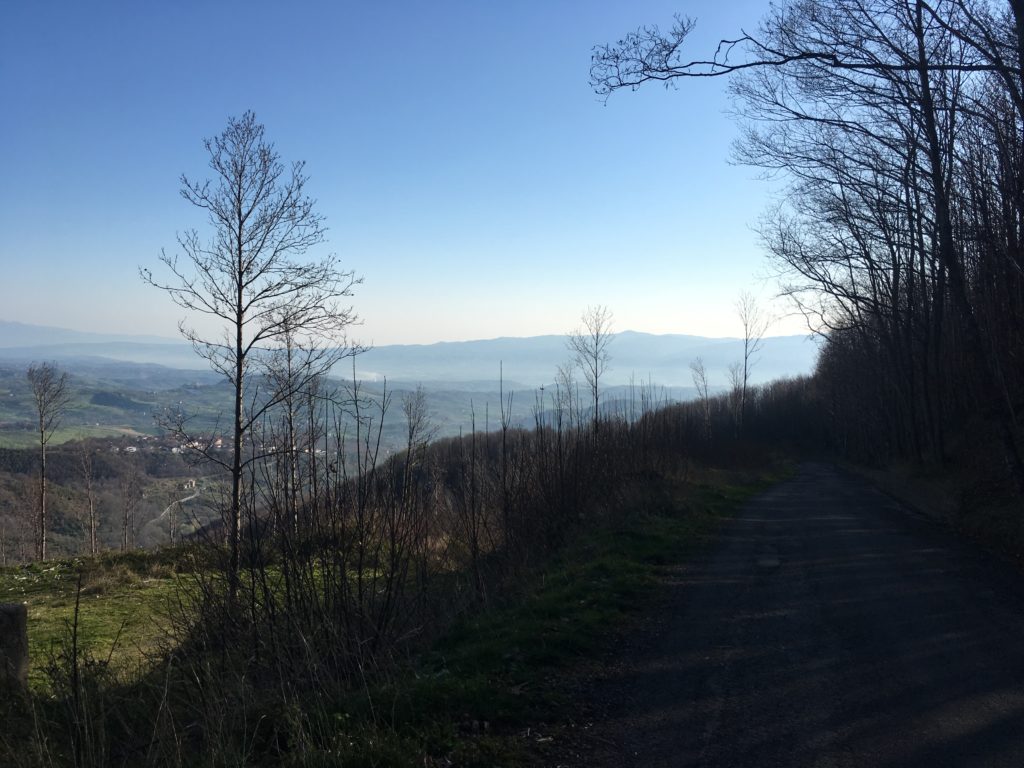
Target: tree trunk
(42, 493)
(13, 647)
(948, 257)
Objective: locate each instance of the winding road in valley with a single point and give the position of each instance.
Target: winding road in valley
(155, 530)
(827, 627)
(169, 507)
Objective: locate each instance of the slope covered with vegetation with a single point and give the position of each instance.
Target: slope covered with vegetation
(409, 609)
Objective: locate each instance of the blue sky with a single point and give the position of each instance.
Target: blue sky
(465, 168)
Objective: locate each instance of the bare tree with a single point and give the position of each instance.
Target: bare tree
(700, 382)
(131, 497)
(419, 430)
(896, 218)
(87, 471)
(755, 324)
(588, 345)
(174, 515)
(51, 398)
(250, 278)
(735, 372)
(652, 55)
(294, 369)
(566, 393)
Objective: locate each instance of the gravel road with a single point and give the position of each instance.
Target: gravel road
(826, 627)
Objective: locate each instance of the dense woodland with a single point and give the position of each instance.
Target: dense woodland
(906, 215)
(898, 126)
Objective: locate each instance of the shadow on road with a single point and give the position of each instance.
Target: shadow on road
(826, 628)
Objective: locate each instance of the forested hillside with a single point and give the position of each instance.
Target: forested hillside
(897, 129)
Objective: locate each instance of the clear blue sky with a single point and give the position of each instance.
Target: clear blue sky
(465, 167)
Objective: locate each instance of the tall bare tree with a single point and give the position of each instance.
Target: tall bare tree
(898, 125)
(735, 376)
(700, 382)
(418, 427)
(588, 344)
(566, 390)
(293, 370)
(173, 520)
(250, 277)
(131, 497)
(51, 398)
(755, 324)
(87, 471)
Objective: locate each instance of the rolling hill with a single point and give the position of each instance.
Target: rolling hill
(524, 362)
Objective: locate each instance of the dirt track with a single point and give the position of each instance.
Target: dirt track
(826, 627)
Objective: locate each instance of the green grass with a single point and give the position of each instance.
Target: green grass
(123, 599)
(472, 696)
(496, 674)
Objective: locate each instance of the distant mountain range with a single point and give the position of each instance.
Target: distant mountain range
(13, 334)
(532, 361)
(20, 342)
(663, 359)
(121, 381)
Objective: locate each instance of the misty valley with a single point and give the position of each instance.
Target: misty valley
(117, 407)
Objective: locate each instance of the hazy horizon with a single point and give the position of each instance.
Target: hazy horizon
(501, 200)
(662, 359)
(175, 337)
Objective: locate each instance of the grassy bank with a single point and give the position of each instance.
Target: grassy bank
(490, 690)
(964, 499)
(122, 602)
(493, 690)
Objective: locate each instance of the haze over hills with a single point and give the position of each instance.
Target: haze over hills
(21, 342)
(662, 358)
(15, 334)
(526, 362)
